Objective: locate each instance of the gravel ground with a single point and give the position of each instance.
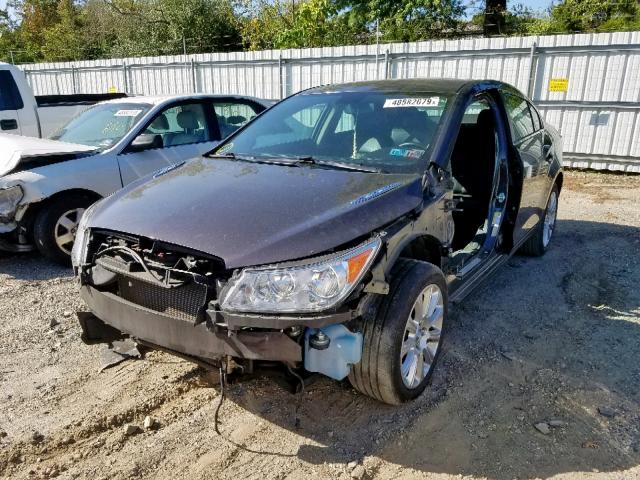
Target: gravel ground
(552, 342)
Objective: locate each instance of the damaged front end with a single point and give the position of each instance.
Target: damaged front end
(13, 235)
(171, 298)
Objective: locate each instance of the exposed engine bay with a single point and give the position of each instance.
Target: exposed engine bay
(155, 275)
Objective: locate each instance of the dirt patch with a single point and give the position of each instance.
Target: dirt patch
(552, 341)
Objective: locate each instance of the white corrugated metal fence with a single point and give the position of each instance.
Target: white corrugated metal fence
(588, 85)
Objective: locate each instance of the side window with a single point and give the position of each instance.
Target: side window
(179, 125)
(537, 123)
(346, 123)
(521, 120)
(233, 115)
(10, 98)
(473, 111)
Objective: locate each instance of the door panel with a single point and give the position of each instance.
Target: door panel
(528, 141)
(139, 164)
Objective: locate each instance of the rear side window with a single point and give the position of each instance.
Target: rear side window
(10, 98)
(537, 123)
(520, 116)
(233, 115)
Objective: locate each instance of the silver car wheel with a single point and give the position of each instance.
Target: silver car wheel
(422, 336)
(550, 219)
(65, 229)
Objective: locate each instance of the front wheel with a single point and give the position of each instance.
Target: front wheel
(403, 335)
(55, 226)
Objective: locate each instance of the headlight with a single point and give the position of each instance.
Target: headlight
(9, 199)
(79, 251)
(311, 286)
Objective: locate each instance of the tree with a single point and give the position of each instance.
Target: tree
(36, 16)
(494, 13)
(590, 16)
(63, 40)
(162, 27)
(407, 20)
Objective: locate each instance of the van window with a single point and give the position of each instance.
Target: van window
(10, 98)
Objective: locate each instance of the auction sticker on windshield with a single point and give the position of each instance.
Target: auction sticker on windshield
(411, 102)
(127, 113)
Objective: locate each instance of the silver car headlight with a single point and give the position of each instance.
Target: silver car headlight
(79, 251)
(315, 285)
(9, 199)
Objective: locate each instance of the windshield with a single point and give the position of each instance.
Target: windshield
(103, 125)
(390, 132)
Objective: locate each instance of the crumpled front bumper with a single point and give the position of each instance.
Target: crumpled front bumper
(188, 337)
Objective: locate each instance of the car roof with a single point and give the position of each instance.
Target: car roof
(160, 99)
(445, 86)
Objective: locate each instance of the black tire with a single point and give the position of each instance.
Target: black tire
(535, 246)
(379, 374)
(44, 226)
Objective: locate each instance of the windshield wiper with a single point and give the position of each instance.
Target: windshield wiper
(308, 160)
(252, 159)
(297, 162)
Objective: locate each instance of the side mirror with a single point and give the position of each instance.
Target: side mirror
(145, 141)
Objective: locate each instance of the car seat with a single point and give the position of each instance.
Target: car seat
(373, 133)
(193, 132)
(473, 162)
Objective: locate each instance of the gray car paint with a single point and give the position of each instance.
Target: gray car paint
(255, 214)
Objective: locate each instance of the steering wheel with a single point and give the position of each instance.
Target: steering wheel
(415, 146)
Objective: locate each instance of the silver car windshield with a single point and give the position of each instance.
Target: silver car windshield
(386, 131)
(103, 125)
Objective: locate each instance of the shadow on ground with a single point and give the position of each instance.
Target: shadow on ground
(545, 339)
(31, 267)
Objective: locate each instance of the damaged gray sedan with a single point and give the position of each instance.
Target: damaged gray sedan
(330, 233)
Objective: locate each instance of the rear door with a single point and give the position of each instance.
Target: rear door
(527, 137)
(183, 130)
(10, 103)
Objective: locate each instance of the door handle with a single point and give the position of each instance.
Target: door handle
(9, 124)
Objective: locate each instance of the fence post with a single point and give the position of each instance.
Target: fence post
(194, 79)
(386, 63)
(532, 70)
(280, 76)
(125, 80)
(74, 84)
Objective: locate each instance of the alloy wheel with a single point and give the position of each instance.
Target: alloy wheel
(550, 219)
(65, 229)
(421, 337)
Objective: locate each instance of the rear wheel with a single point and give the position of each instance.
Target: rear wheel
(403, 335)
(55, 226)
(539, 242)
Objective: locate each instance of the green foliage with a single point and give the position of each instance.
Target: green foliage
(590, 16)
(55, 30)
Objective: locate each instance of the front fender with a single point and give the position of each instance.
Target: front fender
(98, 174)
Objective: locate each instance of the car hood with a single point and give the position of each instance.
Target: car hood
(254, 214)
(16, 149)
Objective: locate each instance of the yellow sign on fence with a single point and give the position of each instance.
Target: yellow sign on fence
(558, 84)
(112, 90)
